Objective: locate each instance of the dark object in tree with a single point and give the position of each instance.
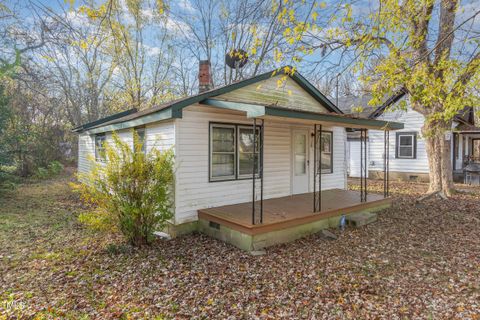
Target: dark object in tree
(236, 58)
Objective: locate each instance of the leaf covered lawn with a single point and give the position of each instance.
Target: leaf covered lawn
(416, 261)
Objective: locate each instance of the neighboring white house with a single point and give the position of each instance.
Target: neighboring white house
(408, 158)
(211, 134)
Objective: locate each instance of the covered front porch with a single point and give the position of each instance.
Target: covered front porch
(312, 204)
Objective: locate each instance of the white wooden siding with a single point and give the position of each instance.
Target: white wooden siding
(86, 152)
(160, 135)
(413, 122)
(193, 189)
(354, 158)
(288, 95)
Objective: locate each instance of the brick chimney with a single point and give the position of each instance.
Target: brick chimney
(205, 81)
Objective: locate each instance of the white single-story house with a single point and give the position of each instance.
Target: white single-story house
(250, 190)
(408, 158)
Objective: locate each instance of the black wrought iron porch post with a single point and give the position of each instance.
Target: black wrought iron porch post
(319, 208)
(386, 163)
(254, 169)
(314, 167)
(366, 163)
(317, 168)
(262, 144)
(363, 165)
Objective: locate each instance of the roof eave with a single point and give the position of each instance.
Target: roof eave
(346, 122)
(176, 108)
(98, 122)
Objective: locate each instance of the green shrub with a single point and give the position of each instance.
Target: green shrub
(8, 181)
(55, 167)
(131, 192)
(42, 173)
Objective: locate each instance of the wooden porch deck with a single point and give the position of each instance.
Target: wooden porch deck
(290, 211)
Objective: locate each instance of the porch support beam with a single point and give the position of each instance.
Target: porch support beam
(262, 127)
(334, 119)
(260, 111)
(363, 165)
(257, 148)
(252, 110)
(254, 169)
(386, 163)
(317, 168)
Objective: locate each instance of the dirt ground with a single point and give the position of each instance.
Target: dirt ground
(416, 261)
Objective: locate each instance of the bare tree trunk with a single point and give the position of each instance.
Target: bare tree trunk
(438, 153)
(431, 146)
(446, 165)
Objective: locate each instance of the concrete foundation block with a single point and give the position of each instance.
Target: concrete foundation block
(361, 218)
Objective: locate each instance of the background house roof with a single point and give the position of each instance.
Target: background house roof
(347, 103)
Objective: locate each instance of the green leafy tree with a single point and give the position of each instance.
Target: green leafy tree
(131, 191)
(427, 48)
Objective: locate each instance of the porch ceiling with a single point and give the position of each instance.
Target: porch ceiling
(304, 117)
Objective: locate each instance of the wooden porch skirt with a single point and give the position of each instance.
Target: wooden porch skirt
(287, 212)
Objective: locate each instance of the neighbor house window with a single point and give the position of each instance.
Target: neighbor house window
(406, 145)
(141, 138)
(231, 152)
(327, 151)
(100, 147)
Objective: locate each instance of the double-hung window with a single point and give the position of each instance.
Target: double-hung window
(100, 147)
(231, 152)
(406, 145)
(327, 151)
(245, 152)
(222, 148)
(140, 131)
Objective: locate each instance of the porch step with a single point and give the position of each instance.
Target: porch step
(361, 218)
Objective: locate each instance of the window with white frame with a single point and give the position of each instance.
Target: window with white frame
(222, 152)
(327, 151)
(100, 147)
(140, 131)
(245, 152)
(231, 152)
(406, 145)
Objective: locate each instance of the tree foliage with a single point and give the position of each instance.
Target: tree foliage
(428, 49)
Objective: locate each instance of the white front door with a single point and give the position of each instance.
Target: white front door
(300, 161)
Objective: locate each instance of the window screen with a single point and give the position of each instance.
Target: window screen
(327, 151)
(100, 147)
(222, 152)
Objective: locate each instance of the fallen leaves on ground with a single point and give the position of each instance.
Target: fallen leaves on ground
(417, 261)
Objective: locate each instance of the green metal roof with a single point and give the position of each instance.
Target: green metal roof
(177, 106)
(98, 122)
(174, 109)
(260, 111)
